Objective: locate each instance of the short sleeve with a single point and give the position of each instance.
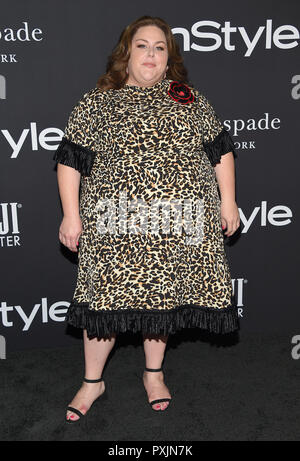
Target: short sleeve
(216, 139)
(76, 148)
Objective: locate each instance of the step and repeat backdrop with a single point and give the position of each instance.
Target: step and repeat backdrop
(243, 57)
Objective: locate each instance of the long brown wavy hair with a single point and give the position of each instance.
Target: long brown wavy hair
(116, 75)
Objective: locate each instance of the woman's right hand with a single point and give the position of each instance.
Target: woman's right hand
(69, 231)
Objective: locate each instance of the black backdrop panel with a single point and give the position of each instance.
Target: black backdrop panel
(248, 67)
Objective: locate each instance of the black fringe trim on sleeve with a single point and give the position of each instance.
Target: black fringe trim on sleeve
(104, 323)
(71, 154)
(221, 145)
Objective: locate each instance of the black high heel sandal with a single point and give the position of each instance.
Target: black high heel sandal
(158, 400)
(78, 412)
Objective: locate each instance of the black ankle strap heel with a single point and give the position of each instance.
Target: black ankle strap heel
(158, 400)
(92, 380)
(78, 412)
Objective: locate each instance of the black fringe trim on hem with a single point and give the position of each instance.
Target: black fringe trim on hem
(104, 323)
(221, 145)
(71, 154)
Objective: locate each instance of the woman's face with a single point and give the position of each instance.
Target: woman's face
(148, 58)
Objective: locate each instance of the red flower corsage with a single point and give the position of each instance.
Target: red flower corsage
(180, 92)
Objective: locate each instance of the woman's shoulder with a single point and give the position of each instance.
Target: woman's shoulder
(89, 102)
(200, 97)
(202, 100)
(93, 96)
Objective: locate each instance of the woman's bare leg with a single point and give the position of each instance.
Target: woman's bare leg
(154, 348)
(96, 352)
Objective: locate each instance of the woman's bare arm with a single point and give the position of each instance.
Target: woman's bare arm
(68, 184)
(226, 177)
(225, 174)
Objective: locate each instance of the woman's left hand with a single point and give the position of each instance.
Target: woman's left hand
(230, 217)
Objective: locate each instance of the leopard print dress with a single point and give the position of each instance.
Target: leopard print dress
(151, 255)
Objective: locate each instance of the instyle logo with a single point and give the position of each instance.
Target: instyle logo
(9, 224)
(40, 313)
(284, 37)
(34, 139)
(278, 215)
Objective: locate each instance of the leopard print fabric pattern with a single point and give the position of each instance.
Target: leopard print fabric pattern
(137, 147)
